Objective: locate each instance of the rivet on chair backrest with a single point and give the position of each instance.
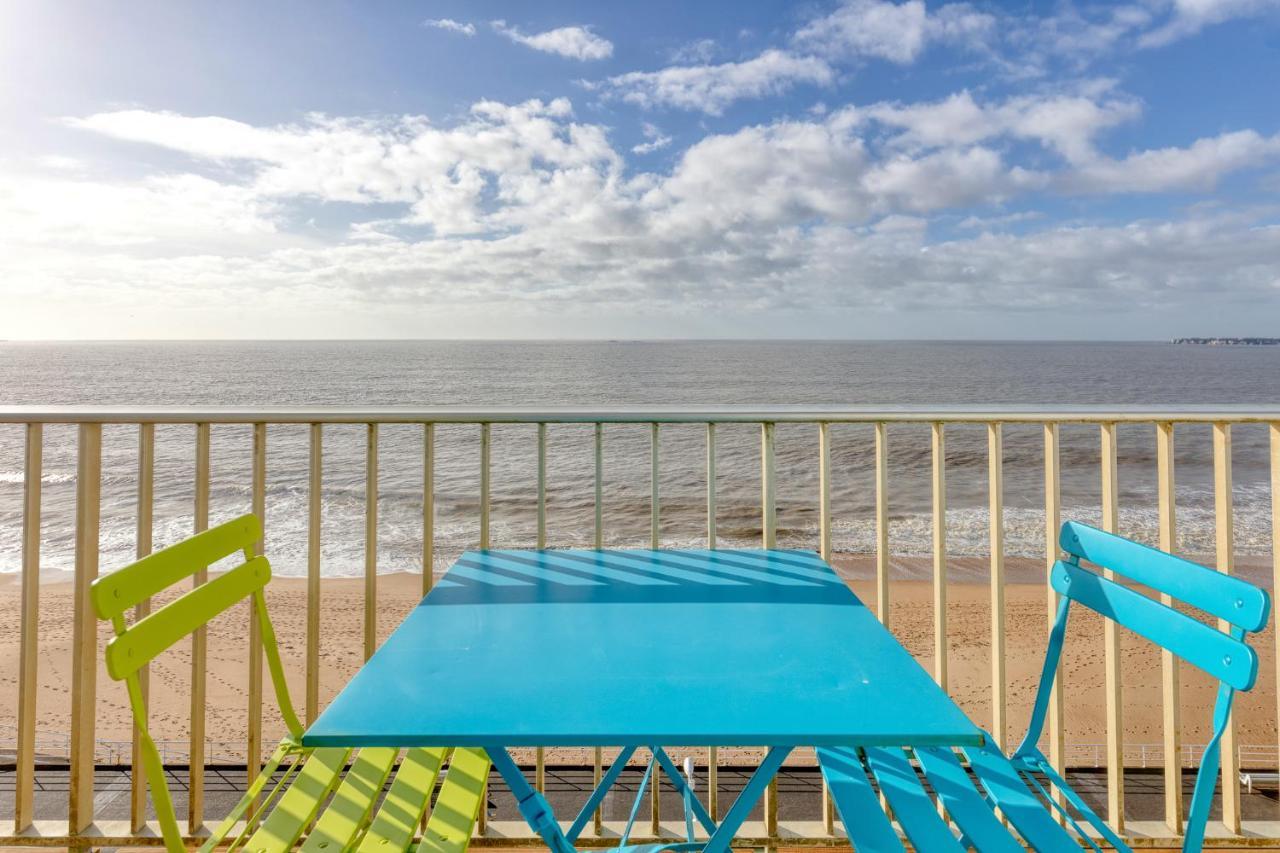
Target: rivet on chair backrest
(1226, 660)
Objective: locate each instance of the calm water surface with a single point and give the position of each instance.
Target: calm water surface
(629, 373)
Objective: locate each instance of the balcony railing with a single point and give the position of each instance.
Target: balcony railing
(80, 826)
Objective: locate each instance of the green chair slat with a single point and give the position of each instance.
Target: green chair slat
(114, 593)
(968, 808)
(134, 648)
(915, 810)
(868, 828)
(397, 820)
(348, 811)
(299, 805)
(458, 805)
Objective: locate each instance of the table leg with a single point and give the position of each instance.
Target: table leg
(598, 795)
(681, 786)
(538, 814)
(534, 807)
(733, 819)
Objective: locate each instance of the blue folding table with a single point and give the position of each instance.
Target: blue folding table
(641, 649)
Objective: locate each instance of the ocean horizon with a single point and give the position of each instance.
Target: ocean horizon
(606, 373)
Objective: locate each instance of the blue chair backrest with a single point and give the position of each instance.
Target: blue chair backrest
(1237, 602)
(1224, 654)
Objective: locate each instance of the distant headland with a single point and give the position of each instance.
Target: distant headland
(1230, 342)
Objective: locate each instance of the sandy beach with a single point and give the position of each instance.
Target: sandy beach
(969, 640)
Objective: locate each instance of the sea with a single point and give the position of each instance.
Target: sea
(632, 373)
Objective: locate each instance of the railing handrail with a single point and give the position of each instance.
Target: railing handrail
(637, 414)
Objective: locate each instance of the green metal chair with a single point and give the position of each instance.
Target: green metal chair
(298, 789)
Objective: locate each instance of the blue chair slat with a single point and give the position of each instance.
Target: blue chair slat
(1239, 602)
(915, 810)
(1023, 809)
(964, 804)
(866, 825)
(1218, 654)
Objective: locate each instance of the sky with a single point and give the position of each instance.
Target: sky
(828, 169)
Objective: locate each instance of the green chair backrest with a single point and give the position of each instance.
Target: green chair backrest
(136, 645)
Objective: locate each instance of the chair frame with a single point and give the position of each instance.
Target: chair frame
(1010, 787)
(317, 773)
(1241, 608)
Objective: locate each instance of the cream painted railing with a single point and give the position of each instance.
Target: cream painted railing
(82, 828)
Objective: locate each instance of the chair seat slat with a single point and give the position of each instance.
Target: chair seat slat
(915, 810)
(968, 808)
(458, 804)
(397, 819)
(299, 805)
(1023, 809)
(866, 825)
(348, 811)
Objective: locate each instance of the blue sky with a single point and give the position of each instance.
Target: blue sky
(825, 169)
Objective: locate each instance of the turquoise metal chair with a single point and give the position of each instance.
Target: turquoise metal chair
(1013, 784)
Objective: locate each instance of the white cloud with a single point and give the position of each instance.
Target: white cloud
(1076, 35)
(60, 163)
(570, 42)
(523, 205)
(170, 211)
(1197, 167)
(442, 173)
(949, 178)
(987, 223)
(655, 140)
(1188, 17)
(897, 32)
(1067, 124)
(467, 29)
(697, 52)
(711, 88)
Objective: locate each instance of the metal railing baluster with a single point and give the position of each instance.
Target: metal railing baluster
(1052, 521)
(995, 510)
(84, 631)
(29, 637)
(1111, 642)
(540, 754)
(199, 644)
(253, 744)
(428, 506)
(486, 438)
(1170, 677)
(315, 475)
(655, 509)
(882, 522)
(370, 540)
(938, 450)
(1225, 541)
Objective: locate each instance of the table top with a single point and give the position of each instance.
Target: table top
(617, 648)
